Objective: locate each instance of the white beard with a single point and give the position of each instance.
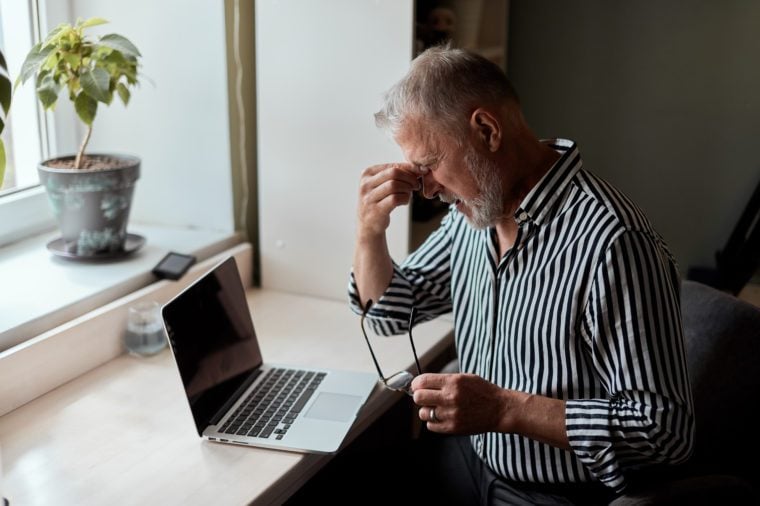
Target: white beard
(488, 207)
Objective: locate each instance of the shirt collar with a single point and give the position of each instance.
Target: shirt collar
(538, 205)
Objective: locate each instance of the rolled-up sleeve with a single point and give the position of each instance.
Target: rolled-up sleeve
(632, 325)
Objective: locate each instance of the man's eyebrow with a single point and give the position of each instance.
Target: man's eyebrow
(427, 160)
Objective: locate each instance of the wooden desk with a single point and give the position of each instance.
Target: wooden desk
(123, 434)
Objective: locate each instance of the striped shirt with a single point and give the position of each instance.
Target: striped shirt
(584, 307)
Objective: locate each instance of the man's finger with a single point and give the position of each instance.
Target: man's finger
(427, 397)
(376, 169)
(429, 381)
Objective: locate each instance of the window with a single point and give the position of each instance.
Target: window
(186, 160)
(23, 208)
(23, 134)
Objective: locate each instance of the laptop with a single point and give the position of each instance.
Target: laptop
(234, 395)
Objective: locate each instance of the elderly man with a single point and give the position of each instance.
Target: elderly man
(565, 299)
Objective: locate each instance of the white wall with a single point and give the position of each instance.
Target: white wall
(662, 98)
(177, 120)
(321, 69)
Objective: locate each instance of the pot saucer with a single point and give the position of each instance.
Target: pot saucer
(132, 243)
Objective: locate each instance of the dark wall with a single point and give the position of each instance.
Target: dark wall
(662, 97)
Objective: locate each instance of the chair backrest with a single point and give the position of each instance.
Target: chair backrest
(722, 335)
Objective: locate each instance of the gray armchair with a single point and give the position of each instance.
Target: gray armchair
(722, 351)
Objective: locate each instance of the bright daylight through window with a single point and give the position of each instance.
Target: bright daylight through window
(24, 210)
(17, 135)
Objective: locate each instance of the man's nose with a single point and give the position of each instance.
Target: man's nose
(430, 188)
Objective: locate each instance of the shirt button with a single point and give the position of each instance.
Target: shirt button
(523, 216)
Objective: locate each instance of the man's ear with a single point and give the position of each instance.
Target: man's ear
(486, 128)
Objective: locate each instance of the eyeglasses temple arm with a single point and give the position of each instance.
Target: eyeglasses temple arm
(364, 332)
(412, 314)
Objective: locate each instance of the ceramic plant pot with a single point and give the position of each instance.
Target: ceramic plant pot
(91, 205)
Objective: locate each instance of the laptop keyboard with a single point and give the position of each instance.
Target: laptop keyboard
(270, 409)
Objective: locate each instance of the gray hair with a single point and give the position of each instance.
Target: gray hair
(443, 87)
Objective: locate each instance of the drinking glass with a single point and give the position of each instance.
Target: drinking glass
(145, 334)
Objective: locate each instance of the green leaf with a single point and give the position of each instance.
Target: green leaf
(47, 91)
(86, 108)
(5, 94)
(32, 63)
(119, 43)
(114, 57)
(73, 59)
(48, 97)
(55, 33)
(93, 22)
(123, 93)
(3, 64)
(95, 83)
(51, 61)
(2, 162)
(41, 75)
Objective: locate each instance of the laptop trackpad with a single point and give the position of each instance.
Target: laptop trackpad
(335, 407)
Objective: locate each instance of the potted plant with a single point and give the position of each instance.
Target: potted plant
(90, 194)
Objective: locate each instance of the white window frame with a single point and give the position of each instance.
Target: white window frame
(24, 212)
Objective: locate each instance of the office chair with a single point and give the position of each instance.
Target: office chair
(722, 335)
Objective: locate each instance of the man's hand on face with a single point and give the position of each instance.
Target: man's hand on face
(382, 188)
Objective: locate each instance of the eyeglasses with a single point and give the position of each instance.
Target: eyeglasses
(402, 380)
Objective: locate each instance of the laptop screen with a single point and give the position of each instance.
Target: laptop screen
(212, 337)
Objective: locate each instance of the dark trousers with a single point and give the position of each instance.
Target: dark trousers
(430, 469)
(455, 475)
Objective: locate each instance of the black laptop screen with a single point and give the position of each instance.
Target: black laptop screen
(212, 337)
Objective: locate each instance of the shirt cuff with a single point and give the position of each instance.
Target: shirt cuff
(587, 425)
(390, 314)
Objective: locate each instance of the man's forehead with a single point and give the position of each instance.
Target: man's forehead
(419, 142)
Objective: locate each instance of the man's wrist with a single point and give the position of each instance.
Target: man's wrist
(369, 238)
(513, 412)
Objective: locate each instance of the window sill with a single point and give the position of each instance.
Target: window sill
(42, 291)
